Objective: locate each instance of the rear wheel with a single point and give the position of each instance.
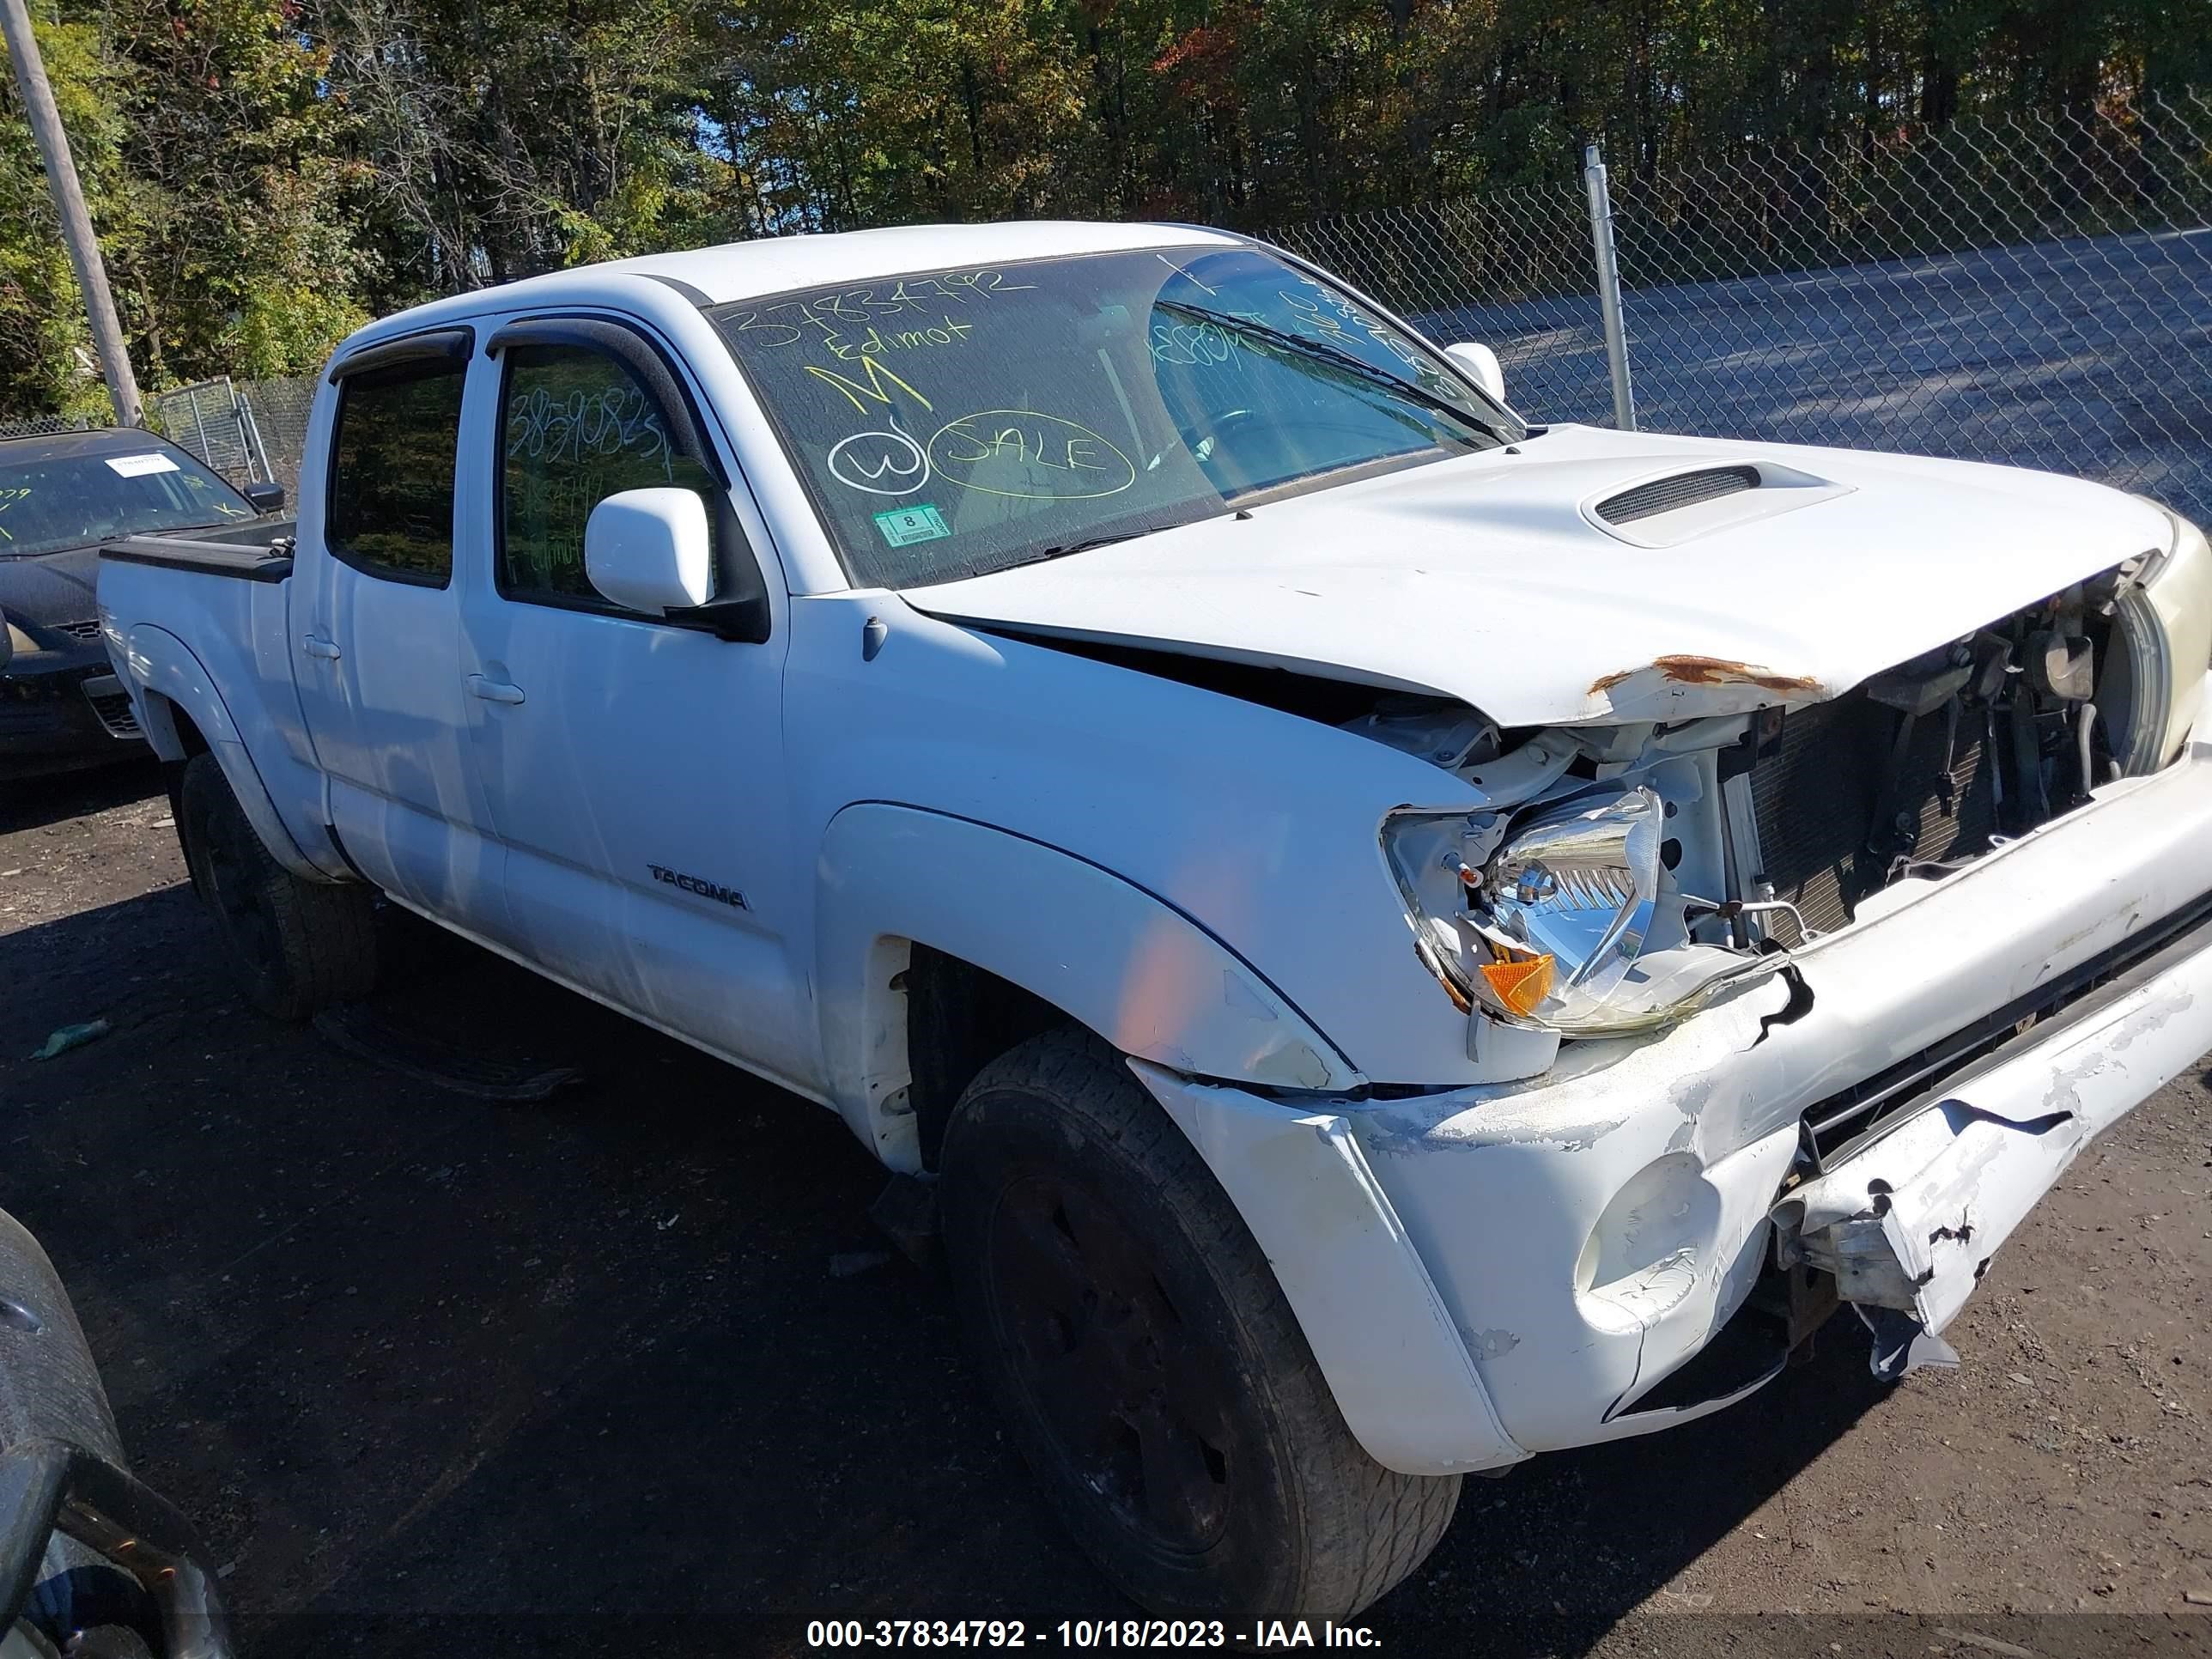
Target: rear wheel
(1154, 1376)
(297, 946)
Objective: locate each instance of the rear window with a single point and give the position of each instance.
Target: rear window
(390, 511)
(80, 499)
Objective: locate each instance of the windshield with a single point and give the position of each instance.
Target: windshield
(958, 421)
(83, 499)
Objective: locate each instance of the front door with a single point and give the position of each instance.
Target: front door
(376, 638)
(634, 766)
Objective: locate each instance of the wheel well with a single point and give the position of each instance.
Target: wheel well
(959, 1019)
(188, 734)
(173, 771)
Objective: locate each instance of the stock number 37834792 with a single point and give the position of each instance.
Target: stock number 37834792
(1081, 1633)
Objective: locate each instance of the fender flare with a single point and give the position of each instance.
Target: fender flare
(162, 671)
(1113, 957)
(1381, 1332)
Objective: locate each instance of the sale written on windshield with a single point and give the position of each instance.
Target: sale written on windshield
(960, 421)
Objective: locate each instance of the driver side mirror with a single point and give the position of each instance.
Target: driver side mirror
(1482, 366)
(651, 550)
(263, 497)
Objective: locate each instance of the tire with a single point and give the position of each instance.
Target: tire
(1152, 1372)
(296, 946)
(49, 1388)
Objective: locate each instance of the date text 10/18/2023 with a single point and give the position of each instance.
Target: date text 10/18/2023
(1085, 1633)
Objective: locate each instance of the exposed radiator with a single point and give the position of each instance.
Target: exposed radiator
(1815, 790)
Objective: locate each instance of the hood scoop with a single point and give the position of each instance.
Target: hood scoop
(1683, 489)
(1677, 506)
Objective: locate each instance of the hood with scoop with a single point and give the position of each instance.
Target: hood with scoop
(1591, 576)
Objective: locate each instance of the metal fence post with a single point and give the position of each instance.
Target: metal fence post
(1608, 289)
(199, 427)
(249, 437)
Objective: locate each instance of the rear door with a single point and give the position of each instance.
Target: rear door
(633, 765)
(377, 630)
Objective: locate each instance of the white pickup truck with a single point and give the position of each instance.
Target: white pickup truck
(1401, 939)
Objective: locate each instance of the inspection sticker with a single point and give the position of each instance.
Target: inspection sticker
(138, 466)
(902, 525)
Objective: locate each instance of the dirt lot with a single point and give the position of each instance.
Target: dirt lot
(630, 1372)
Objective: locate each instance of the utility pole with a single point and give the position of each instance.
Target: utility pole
(68, 200)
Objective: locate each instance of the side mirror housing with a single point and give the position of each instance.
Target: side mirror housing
(262, 496)
(651, 550)
(1482, 366)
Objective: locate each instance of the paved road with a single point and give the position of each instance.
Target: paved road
(440, 1378)
(2092, 356)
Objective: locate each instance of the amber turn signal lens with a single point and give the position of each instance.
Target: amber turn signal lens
(1521, 986)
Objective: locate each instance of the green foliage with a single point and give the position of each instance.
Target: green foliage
(266, 173)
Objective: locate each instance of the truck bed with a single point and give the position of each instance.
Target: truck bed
(260, 552)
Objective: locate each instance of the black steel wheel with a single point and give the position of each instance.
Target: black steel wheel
(1141, 1408)
(1152, 1372)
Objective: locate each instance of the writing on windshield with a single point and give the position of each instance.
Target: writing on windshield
(957, 421)
(57, 502)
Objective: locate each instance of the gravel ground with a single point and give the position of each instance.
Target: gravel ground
(629, 1371)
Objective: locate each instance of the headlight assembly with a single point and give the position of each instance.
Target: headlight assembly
(2168, 613)
(1556, 920)
(1572, 889)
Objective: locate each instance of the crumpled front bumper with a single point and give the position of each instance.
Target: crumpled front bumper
(1908, 1223)
(1553, 1256)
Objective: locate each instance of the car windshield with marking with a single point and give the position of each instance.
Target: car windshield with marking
(52, 502)
(958, 421)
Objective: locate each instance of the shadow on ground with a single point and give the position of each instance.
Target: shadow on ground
(442, 1377)
(34, 803)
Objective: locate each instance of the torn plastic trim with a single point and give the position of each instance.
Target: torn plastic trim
(1910, 1224)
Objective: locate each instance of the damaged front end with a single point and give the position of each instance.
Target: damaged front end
(1619, 878)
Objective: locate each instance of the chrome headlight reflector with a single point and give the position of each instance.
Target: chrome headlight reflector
(1548, 921)
(1575, 886)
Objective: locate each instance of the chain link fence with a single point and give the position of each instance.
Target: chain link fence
(41, 426)
(1511, 269)
(278, 411)
(2032, 289)
(244, 430)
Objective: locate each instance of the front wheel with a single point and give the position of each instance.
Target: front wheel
(1153, 1375)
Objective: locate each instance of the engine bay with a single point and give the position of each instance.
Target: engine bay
(1621, 876)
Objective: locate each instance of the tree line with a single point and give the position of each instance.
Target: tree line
(266, 175)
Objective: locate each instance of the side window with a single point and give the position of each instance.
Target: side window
(391, 508)
(576, 429)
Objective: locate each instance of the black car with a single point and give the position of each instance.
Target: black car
(61, 496)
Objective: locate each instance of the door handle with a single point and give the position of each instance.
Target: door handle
(494, 690)
(316, 646)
